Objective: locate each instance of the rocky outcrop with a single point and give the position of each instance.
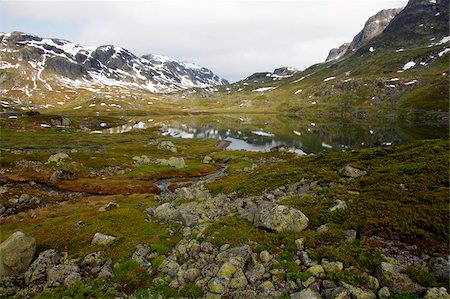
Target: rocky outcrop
(373, 27)
(16, 253)
(351, 172)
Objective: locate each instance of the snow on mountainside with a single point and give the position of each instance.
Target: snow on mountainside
(27, 59)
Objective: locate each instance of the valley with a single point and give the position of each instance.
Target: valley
(126, 176)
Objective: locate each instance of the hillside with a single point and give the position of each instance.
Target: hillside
(402, 71)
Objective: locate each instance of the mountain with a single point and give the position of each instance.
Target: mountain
(401, 72)
(373, 27)
(29, 62)
(277, 74)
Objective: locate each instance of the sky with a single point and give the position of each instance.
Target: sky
(232, 38)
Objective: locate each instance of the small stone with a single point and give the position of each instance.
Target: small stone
(58, 158)
(316, 271)
(206, 247)
(351, 172)
(332, 267)
(217, 286)
(299, 244)
(207, 159)
(94, 259)
(265, 256)
(308, 282)
(373, 283)
(101, 239)
(191, 274)
(227, 270)
(108, 207)
(267, 286)
(350, 235)
(384, 293)
(323, 228)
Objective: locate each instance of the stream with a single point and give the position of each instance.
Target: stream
(164, 184)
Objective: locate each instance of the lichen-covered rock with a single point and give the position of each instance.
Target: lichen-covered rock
(62, 175)
(280, 218)
(384, 293)
(437, 293)
(93, 259)
(306, 294)
(142, 255)
(265, 256)
(332, 267)
(39, 268)
(166, 211)
(167, 145)
(440, 268)
(396, 279)
(255, 273)
(227, 270)
(63, 275)
(351, 172)
(316, 271)
(58, 158)
(218, 285)
(239, 280)
(172, 161)
(16, 253)
(102, 239)
(169, 266)
(359, 293)
(191, 274)
(207, 159)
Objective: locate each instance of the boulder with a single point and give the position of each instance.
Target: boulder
(58, 158)
(62, 175)
(384, 293)
(395, 278)
(166, 211)
(101, 239)
(279, 218)
(39, 268)
(359, 293)
(440, 268)
(351, 172)
(16, 253)
(227, 270)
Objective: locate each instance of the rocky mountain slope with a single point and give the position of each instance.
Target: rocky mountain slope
(373, 27)
(29, 63)
(402, 72)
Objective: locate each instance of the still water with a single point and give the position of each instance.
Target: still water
(257, 132)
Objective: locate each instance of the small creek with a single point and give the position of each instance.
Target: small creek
(164, 184)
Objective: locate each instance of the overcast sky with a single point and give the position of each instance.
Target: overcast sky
(233, 39)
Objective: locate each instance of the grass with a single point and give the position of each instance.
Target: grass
(55, 228)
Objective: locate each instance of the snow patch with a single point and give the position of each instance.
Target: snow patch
(263, 89)
(262, 133)
(408, 65)
(328, 79)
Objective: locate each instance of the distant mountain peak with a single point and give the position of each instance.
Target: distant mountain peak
(64, 62)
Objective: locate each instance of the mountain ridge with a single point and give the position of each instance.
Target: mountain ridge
(103, 65)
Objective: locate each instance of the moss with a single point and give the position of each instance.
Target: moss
(87, 289)
(131, 276)
(422, 276)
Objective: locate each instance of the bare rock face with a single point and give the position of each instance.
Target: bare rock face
(16, 254)
(374, 26)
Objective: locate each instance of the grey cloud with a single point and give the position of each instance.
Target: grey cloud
(234, 39)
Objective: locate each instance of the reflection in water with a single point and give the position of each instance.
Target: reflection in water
(262, 132)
